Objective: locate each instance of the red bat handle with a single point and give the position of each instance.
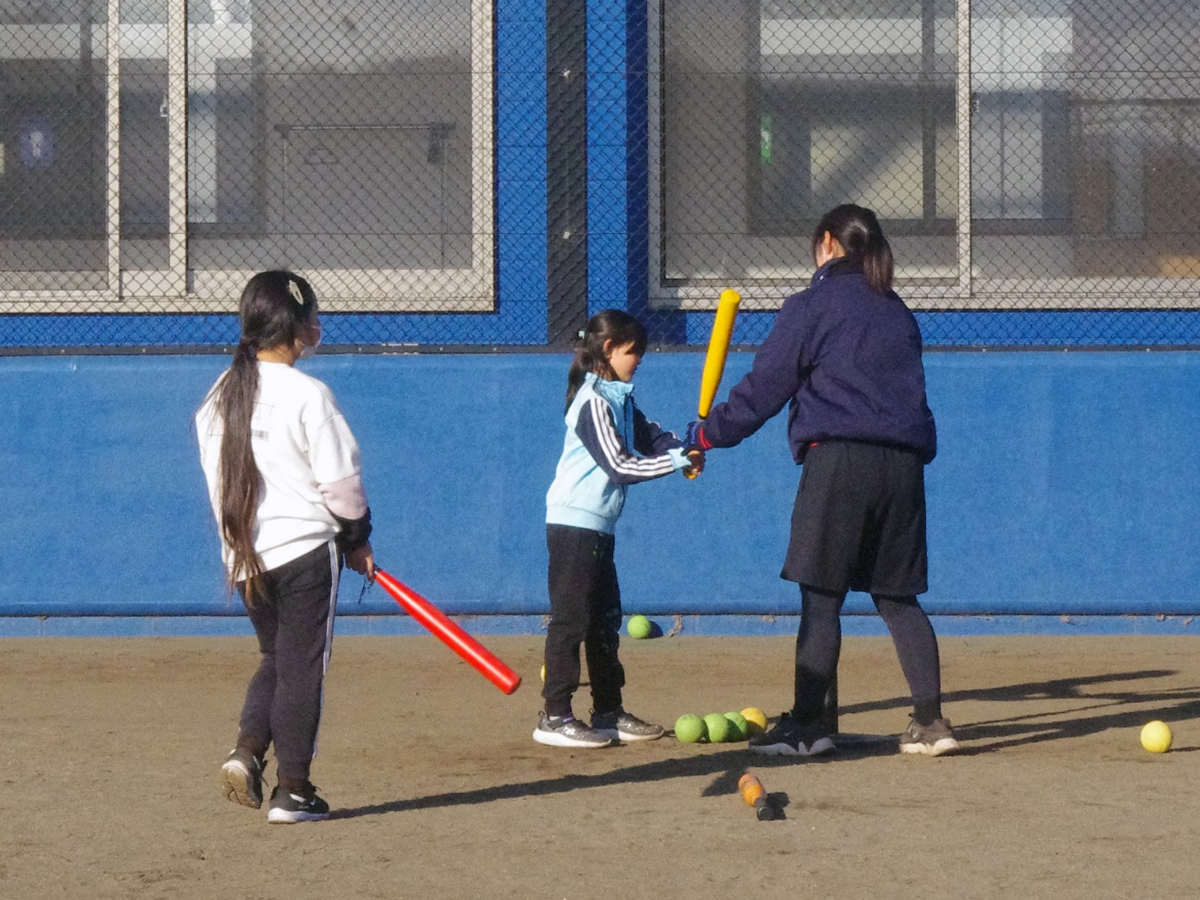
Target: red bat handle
(450, 634)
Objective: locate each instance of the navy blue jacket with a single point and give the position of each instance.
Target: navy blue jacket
(846, 360)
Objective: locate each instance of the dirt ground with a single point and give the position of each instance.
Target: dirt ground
(109, 752)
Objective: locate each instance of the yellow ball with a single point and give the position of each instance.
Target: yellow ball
(739, 727)
(1156, 736)
(543, 673)
(690, 728)
(756, 719)
(717, 727)
(639, 627)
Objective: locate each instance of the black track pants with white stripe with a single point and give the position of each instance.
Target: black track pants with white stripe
(293, 618)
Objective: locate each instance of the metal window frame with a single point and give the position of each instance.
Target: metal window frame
(180, 289)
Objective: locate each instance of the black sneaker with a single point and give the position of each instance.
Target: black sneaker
(568, 731)
(792, 738)
(288, 807)
(241, 778)
(934, 739)
(627, 727)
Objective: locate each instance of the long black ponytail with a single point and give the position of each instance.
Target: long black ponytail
(273, 308)
(614, 325)
(857, 229)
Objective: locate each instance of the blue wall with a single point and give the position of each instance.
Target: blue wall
(1066, 484)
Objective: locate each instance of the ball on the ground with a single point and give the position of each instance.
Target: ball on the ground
(1156, 736)
(739, 728)
(543, 673)
(638, 627)
(756, 720)
(689, 729)
(718, 728)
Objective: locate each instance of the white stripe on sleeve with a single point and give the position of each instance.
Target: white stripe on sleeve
(618, 458)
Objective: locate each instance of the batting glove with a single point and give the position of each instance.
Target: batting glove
(696, 439)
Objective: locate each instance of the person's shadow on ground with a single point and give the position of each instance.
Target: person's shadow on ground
(1068, 708)
(726, 767)
(1110, 701)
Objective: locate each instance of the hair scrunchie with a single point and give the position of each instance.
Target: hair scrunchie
(247, 348)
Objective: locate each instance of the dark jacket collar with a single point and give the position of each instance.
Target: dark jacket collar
(844, 266)
(836, 268)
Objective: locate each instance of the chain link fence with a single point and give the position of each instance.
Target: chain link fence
(486, 173)
(158, 152)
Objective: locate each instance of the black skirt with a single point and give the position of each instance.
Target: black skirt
(858, 523)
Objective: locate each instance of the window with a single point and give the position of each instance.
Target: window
(1075, 184)
(349, 140)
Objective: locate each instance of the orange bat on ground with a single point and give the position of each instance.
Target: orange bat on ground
(755, 795)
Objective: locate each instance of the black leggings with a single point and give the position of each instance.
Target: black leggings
(819, 644)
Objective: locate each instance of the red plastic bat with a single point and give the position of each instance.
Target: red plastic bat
(449, 633)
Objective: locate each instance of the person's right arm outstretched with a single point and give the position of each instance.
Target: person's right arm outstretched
(775, 377)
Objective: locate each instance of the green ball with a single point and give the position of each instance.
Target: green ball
(718, 728)
(689, 729)
(739, 728)
(638, 627)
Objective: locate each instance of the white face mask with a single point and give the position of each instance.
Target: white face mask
(307, 350)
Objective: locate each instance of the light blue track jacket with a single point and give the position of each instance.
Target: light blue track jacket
(609, 445)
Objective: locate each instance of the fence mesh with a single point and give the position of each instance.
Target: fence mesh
(1072, 195)
(483, 173)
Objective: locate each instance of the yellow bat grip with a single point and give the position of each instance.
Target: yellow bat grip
(690, 475)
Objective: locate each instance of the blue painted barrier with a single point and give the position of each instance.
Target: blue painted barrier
(1066, 484)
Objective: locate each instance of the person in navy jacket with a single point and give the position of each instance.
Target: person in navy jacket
(845, 357)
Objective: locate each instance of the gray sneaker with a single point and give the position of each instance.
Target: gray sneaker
(934, 739)
(792, 738)
(568, 731)
(627, 727)
(241, 778)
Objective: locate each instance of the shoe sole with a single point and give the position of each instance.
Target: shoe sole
(239, 785)
(290, 817)
(939, 747)
(626, 737)
(554, 739)
(818, 748)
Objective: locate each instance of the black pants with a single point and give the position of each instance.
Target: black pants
(292, 615)
(585, 608)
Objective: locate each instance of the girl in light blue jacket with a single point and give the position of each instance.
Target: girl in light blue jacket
(609, 445)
